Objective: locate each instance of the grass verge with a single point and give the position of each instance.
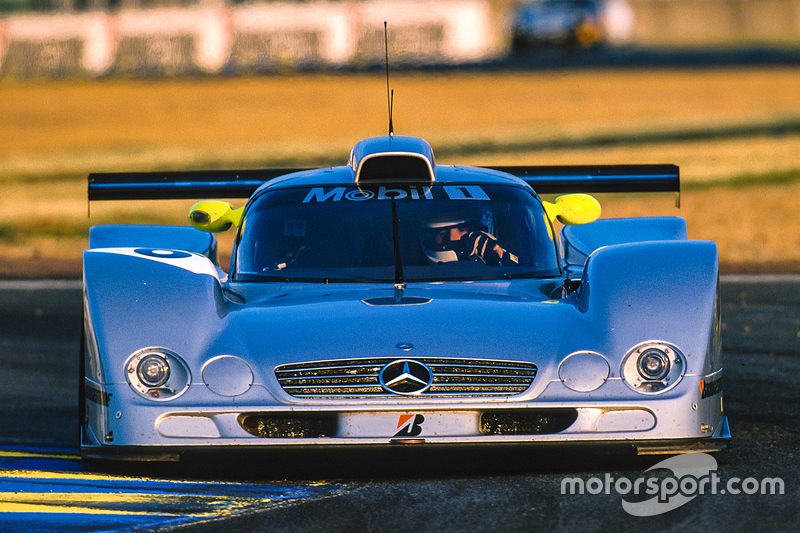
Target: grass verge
(733, 132)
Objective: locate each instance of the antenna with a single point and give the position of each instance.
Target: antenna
(389, 93)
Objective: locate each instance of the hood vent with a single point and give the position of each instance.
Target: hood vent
(390, 300)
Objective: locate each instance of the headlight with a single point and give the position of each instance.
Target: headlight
(584, 371)
(157, 374)
(653, 367)
(227, 375)
(153, 370)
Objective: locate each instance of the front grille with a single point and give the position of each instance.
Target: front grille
(358, 378)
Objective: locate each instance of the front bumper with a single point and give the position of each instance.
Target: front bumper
(679, 421)
(628, 430)
(714, 443)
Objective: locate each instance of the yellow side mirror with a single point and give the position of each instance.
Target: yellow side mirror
(214, 216)
(573, 209)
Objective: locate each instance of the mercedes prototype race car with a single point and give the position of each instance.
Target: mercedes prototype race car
(396, 301)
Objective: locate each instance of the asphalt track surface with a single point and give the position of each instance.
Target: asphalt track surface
(45, 487)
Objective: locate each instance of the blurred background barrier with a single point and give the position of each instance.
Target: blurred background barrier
(59, 38)
(248, 37)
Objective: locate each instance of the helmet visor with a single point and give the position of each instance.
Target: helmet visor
(446, 237)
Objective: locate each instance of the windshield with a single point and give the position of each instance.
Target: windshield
(380, 234)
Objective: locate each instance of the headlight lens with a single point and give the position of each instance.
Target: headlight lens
(157, 374)
(153, 370)
(653, 367)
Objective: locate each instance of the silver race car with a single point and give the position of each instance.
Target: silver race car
(396, 301)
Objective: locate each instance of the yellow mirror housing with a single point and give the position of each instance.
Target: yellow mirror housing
(214, 216)
(573, 209)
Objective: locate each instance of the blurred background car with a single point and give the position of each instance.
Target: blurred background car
(574, 23)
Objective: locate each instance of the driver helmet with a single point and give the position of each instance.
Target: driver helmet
(435, 236)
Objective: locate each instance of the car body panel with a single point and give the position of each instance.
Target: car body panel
(578, 242)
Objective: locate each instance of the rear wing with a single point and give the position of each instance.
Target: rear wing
(598, 178)
(242, 183)
(183, 185)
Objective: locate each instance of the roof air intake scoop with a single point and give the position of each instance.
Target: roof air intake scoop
(393, 159)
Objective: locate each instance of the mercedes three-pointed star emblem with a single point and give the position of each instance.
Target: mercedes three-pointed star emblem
(406, 376)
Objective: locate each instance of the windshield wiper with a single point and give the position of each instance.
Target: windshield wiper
(399, 283)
